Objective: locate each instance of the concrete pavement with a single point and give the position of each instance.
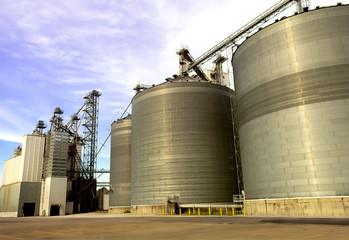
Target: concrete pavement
(125, 226)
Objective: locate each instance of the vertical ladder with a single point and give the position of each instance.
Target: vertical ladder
(236, 143)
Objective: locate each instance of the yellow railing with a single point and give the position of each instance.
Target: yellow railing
(205, 211)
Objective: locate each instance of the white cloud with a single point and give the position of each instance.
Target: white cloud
(78, 80)
(12, 117)
(81, 93)
(107, 104)
(10, 137)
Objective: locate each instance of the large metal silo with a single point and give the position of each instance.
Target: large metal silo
(292, 89)
(182, 144)
(120, 163)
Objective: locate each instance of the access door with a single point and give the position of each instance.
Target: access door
(28, 209)
(54, 210)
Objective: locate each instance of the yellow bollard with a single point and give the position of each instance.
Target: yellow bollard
(189, 211)
(232, 210)
(220, 211)
(244, 211)
(209, 211)
(199, 211)
(180, 211)
(171, 211)
(163, 211)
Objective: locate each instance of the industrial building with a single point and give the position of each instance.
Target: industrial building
(181, 144)
(35, 181)
(278, 144)
(21, 184)
(120, 163)
(291, 82)
(292, 88)
(50, 175)
(281, 138)
(180, 137)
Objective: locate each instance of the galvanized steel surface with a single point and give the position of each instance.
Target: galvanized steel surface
(9, 198)
(13, 197)
(292, 86)
(33, 154)
(26, 167)
(56, 155)
(182, 147)
(12, 170)
(120, 163)
(30, 193)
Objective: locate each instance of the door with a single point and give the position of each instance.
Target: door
(28, 209)
(54, 210)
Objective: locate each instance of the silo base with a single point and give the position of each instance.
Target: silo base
(138, 210)
(330, 206)
(145, 210)
(119, 210)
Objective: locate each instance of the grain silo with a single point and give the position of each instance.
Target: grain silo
(182, 144)
(292, 90)
(120, 163)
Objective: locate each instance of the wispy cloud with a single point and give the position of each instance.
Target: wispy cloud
(10, 130)
(10, 136)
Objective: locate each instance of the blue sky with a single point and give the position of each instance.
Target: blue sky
(52, 53)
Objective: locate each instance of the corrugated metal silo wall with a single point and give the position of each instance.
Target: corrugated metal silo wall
(292, 86)
(120, 163)
(182, 144)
